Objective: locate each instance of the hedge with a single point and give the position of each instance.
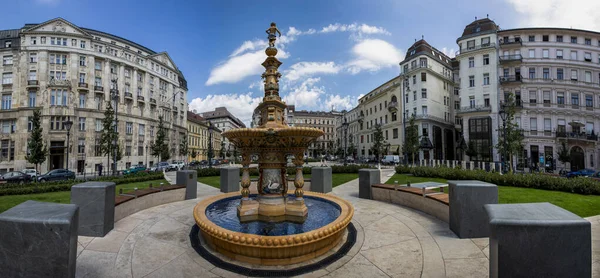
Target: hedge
(579, 185)
(207, 172)
(43, 187)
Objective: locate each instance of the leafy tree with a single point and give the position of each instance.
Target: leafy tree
(378, 142)
(193, 154)
(222, 150)
(160, 146)
(37, 152)
(183, 147)
(411, 141)
(564, 155)
(108, 135)
(514, 136)
(471, 150)
(235, 154)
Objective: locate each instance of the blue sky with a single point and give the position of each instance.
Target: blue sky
(332, 51)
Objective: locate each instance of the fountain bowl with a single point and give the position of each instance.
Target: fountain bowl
(273, 250)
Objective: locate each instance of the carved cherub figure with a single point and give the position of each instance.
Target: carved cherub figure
(272, 31)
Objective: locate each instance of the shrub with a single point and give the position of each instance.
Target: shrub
(336, 169)
(580, 185)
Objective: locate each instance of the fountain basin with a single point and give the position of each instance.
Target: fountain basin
(257, 247)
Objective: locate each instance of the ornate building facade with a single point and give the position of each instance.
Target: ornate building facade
(69, 72)
(223, 120)
(198, 137)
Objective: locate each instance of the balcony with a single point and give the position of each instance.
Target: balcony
(474, 109)
(511, 42)
(411, 69)
(82, 85)
(59, 83)
(114, 92)
(517, 103)
(508, 79)
(98, 89)
(433, 118)
(475, 48)
(33, 83)
(140, 98)
(175, 110)
(504, 59)
(577, 136)
(128, 95)
(393, 106)
(153, 101)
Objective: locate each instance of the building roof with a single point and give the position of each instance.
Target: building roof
(12, 33)
(222, 112)
(421, 47)
(315, 113)
(479, 27)
(552, 29)
(195, 118)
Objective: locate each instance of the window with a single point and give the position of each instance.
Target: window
(559, 54)
(546, 97)
(414, 96)
(423, 62)
(456, 105)
(82, 61)
(129, 128)
(423, 76)
(151, 131)
(395, 133)
(589, 101)
(575, 99)
(587, 56)
(505, 72)
(472, 101)
(547, 125)
(573, 55)
(81, 101)
(81, 124)
(58, 122)
(574, 75)
(141, 130)
(423, 93)
(532, 96)
(588, 76)
(7, 60)
(82, 44)
(425, 129)
(560, 97)
(7, 78)
(414, 79)
(60, 59)
(43, 40)
(6, 101)
(486, 79)
(59, 97)
(486, 101)
(58, 75)
(81, 77)
(127, 73)
(33, 57)
(471, 44)
(32, 97)
(486, 59)
(573, 39)
(531, 73)
(559, 38)
(98, 65)
(533, 124)
(531, 38)
(544, 38)
(33, 40)
(531, 53)
(81, 145)
(588, 41)
(546, 73)
(472, 81)
(99, 126)
(471, 62)
(545, 53)
(485, 41)
(32, 75)
(559, 74)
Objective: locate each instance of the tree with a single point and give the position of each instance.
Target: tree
(108, 135)
(378, 142)
(235, 154)
(183, 147)
(222, 150)
(193, 154)
(471, 150)
(411, 141)
(37, 152)
(160, 146)
(563, 153)
(513, 137)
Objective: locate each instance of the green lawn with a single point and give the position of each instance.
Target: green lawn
(582, 205)
(64, 197)
(336, 179)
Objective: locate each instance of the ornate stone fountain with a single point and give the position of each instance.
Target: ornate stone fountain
(273, 141)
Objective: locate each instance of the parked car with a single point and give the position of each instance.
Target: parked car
(15, 177)
(580, 173)
(596, 176)
(176, 165)
(390, 159)
(161, 166)
(31, 172)
(350, 159)
(56, 175)
(134, 169)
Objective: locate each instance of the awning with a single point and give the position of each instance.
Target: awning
(576, 124)
(425, 144)
(462, 145)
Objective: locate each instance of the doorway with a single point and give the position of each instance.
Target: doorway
(57, 155)
(577, 158)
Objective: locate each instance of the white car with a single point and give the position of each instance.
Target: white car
(31, 172)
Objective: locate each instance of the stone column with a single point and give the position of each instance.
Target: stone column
(299, 180)
(230, 179)
(245, 183)
(39, 240)
(320, 180)
(189, 178)
(96, 201)
(366, 178)
(468, 218)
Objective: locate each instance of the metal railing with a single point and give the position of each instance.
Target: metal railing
(33, 82)
(474, 108)
(575, 135)
(477, 47)
(411, 69)
(511, 41)
(510, 58)
(510, 78)
(98, 88)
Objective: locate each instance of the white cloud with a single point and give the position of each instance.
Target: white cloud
(307, 94)
(302, 69)
(240, 105)
(249, 46)
(450, 52)
(240, 67)
(354, 27)
(579, 14)
(339, 103)
(372, 55)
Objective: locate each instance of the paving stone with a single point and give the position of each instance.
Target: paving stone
(150, 255)
(127, 224)
(375, 239)
(95, 264)
(433, 262)
(403, 259)
(455, 248)
(182, 266)
(109, 243)
(464, 268)
(358, 267)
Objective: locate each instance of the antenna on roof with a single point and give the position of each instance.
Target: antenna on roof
(487, 15)
(422, 37)
(415, 40)
(475, 18)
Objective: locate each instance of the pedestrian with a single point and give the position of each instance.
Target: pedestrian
(100, 170)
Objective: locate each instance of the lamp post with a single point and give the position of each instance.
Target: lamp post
(114, 93)
(210, 147)
(147, 155)
(68, 124)
(345, 127)
(503, 116)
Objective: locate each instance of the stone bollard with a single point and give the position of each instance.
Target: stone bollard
(366, 178)
(230, 179)
(468, 218)
(189, 178)
(538, 240)
(96, 201)
(39, 240)
(320, 180)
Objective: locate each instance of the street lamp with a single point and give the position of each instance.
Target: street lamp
(503, 116)
(68, 124)
(147, 155)
(114, 93)
(210, 147)
(345, 127)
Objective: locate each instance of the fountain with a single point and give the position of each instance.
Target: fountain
(270, 227)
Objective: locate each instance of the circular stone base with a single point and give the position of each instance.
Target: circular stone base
(221, 261)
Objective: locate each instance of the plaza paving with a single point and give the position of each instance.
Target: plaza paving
(392, 241)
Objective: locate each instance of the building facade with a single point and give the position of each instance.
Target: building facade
(199, 136)
(69, 73)
(223, 120)
(324, 121)
(428, 94)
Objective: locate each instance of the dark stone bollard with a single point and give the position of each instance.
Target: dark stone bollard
(366, 178)
(230, 179)
(538, 240)
(39, 240)
(468, 218)
(321, 179)
(96, 202)
(189, 178)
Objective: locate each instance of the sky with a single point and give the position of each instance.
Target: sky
(332, 51)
